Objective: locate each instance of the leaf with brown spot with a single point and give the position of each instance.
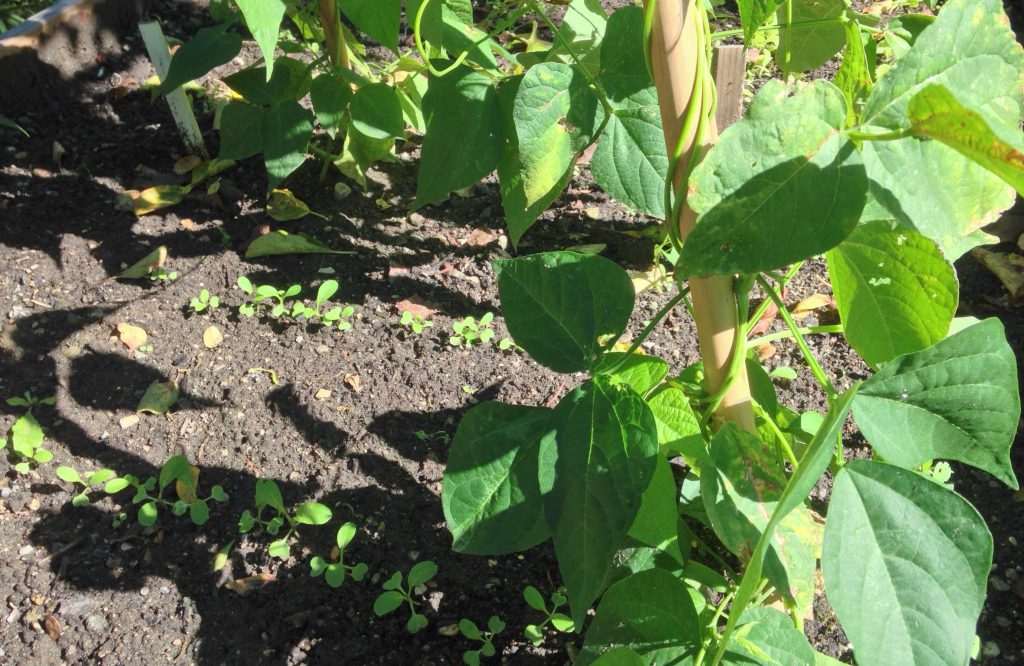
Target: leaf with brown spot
(186, 494)
(133, 337)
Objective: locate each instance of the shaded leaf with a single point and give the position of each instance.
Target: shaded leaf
(281, 242)
(143, 267)
(159, 397)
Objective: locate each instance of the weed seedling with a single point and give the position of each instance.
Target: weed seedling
(495, 626)
(185, 477)
(439, 436)
(415, 323)
(269, 495)
(204, 301)
(158, 274)
(395, 594)
(259, 294)
(336, 316)
(334, 572)
(471, 331)
(87, 480)
(26, 436)
(560, 621)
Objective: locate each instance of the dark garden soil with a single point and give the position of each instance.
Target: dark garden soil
(360, 420)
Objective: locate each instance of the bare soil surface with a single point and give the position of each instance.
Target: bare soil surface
(360, 420)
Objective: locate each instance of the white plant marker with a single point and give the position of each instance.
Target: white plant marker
(160, 56)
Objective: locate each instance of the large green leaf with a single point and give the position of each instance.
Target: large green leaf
(936, 113)
(650, 612)
(330, 96)
(781, 185)
(957, 400)
(287, 127)
(564, 308)
(678, 425)
(518, 215)
(968, 37)
(464, 140)
(740, 491)
(360, 152)
(377, 18)
(895, 291)
(753, 14)
(377, 113)
(491, 498)
(211, 47)
(641, 372)
(656, 523)
(806, 47)
(766, 636)
(556, 116)
(906, 564)
(960, 199)
(594, 469)
(241, 131)
(630, 162)
(854, 77)
(431, 24)
(263, 18)
(460, 35)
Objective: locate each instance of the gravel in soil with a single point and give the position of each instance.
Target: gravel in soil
(360, 420)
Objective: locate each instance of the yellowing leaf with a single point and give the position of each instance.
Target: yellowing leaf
(146, 265)
(154, 198)
(1009, 268)
(186, 494)
(133, 337)
(158, 398)
(244, 586)
(281, 242)
(284, 206)
(212, 337)
(806, 307)
(186, 164)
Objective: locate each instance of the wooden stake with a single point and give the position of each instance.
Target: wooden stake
(181, 110)
(674, 57)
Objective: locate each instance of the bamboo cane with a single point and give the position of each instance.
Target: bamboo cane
(674, 59)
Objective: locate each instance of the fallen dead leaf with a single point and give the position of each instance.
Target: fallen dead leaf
(129, 421)
(188, 225)
(1009, 268)
(806, 307)
(592, 212)
(766, 320)
(245, 586)
(212, 337)
(352, 381)
(766, 351)
(51, 626)
(186, 164)
(480, 238)
(322, 394)
(133, 337)
(417, 307)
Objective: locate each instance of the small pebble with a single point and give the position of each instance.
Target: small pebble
(144, 591)
(26, 550)
(96, 623)
(989, 649)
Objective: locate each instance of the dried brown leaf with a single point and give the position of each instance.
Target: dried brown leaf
(806, 307)
(418, 307)
(245, 586)
(133, 337)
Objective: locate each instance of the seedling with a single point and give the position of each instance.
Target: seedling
(416, 323)
(334, 572)
(269, 495)
(495, 626)
(394, 594)
(259, 294)
(559, 621)
(471, 331)
(158, 274)
(26, 436)
(185, 477)
(88, 480)
(438, 436)
(335, 316)
(204, 301)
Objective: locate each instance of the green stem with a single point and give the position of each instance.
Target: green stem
(812, 362)
(779, 435)
(763, 307)
(662, 313)
(804, 330)
(719, 611)
(738, 355)
(416, 35)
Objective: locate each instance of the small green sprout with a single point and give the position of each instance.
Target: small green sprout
(337, 316)
(158, 274)
(395, 594)
(260, 294)
(175, 469)
(334, 572)
(26, 436)
(560, 621)
(414, 322)
(204, 301)
(506, 344)
(87, 480)
(438, 436)
(269, 495)
(470, 331)
(495, 626)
